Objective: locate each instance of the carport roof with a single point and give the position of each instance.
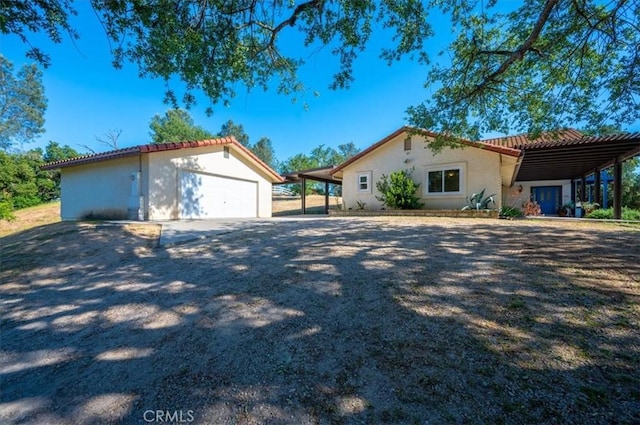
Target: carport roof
(568, 154)
(322, 174)
(160, 147)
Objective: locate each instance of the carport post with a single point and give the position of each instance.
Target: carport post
(326, 197)
(617, 189)
(303, 192)
(583, 189)
(596, 187)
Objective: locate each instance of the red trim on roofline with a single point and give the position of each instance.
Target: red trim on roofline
(160, 147)
(414, 130)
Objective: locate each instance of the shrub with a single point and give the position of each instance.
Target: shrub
(6, 211)
(601, 214)
(478, 201)
(510, 212)
(399, 191)
(607, 214)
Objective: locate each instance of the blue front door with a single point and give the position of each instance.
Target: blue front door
(548, 197)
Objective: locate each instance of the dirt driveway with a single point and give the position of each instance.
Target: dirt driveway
(338, 321)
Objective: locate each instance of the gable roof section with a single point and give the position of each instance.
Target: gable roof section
(161, 147)
(506, 150)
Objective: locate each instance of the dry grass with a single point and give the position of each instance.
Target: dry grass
(286, 205)
(352, 320)
(31, 217)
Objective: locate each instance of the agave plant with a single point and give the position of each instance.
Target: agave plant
(478, 201)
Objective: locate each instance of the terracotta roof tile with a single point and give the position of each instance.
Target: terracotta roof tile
(159, 147)
(521, 141)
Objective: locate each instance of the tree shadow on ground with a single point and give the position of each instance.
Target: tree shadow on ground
(336, 321)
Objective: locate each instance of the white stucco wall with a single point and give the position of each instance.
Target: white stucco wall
(99, 189)
(163, 174)
(481, 170)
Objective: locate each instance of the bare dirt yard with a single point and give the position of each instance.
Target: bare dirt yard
(350, 320)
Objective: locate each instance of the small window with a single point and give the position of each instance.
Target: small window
(226, 151)
(447, 180)
(407, 144)
(364, 182)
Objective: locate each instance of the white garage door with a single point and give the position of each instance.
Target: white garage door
(207, 196)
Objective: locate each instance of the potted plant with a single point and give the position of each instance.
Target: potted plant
(566, 210)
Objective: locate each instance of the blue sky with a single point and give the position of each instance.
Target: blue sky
(87, 96)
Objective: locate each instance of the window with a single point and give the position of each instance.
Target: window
(407, 144)
(226, 151)
(446, 180)
(364, 182)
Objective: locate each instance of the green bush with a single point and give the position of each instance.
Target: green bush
(6, 211)
(607, 214)
(510, 212)
(399, 191)
(601, 214)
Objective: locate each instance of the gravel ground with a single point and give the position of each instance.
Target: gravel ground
(389, 320)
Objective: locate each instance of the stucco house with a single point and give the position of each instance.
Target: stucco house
(550, 170)
(189, 180)
(446, 179)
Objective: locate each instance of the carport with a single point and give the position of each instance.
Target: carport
(573, 156)
(321, 174)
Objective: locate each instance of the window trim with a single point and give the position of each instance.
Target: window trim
(368, 175)
(460, 166)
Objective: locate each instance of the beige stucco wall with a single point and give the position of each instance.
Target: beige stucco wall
(163, 175)
(99, 189)
(481, 170)
(512, 197)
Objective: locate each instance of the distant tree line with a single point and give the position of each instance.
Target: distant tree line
(23, 184)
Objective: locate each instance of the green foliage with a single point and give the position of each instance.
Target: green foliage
(539, 66)
(607, 214)
(6, 210)
(22, 104)
(512, 66)
(23, 184)
(264, 150)
(398, 191)
(320, 156)
(631, 183)
(510, 212)
(176, 126)
(230, 128)
(478, 201)
(49, 17)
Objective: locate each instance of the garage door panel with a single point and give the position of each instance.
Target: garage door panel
(209, 196)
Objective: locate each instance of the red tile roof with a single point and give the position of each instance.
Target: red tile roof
(160, 147)
(507, 150)
(521, 141)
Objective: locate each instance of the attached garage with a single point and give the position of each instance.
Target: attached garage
(216, 178)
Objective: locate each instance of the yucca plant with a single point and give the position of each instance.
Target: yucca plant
(478, 201)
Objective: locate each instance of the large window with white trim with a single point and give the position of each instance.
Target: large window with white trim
(445, 180)
(364, 182)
